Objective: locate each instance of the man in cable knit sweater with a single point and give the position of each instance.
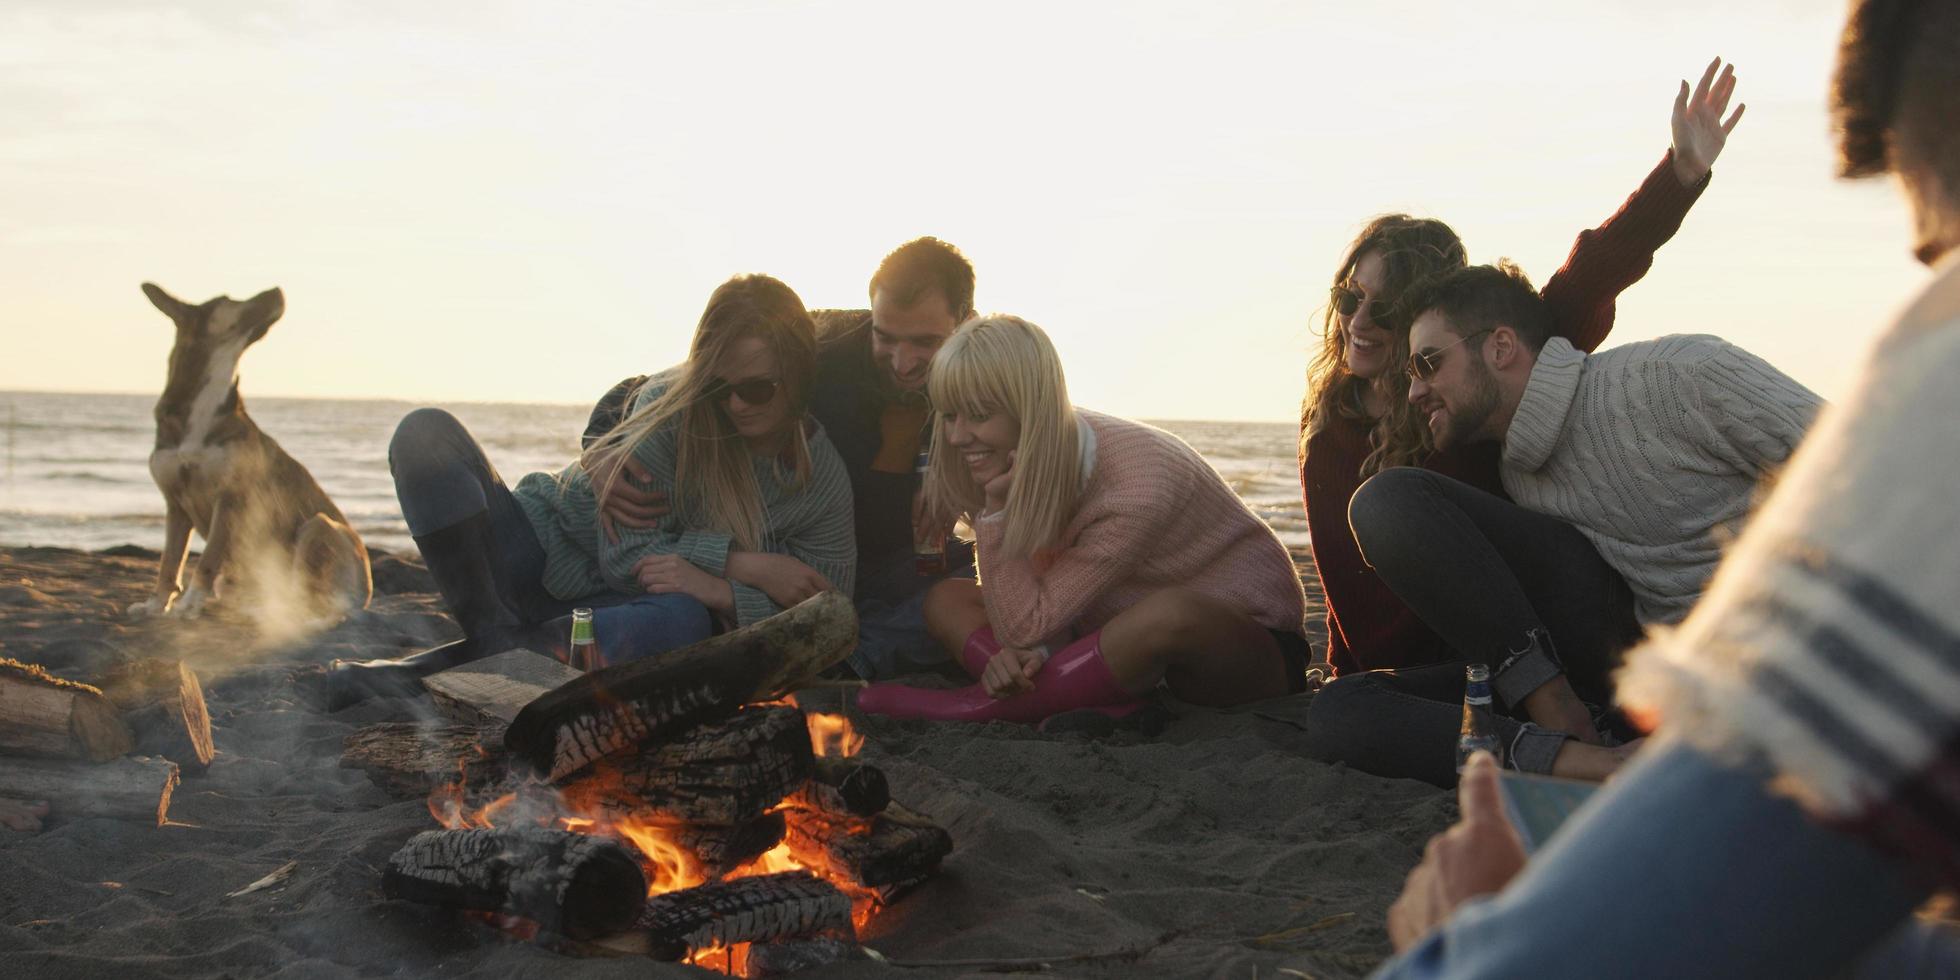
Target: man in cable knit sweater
(1650, 453)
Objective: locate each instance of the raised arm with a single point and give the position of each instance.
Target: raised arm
(1607, 259)
(610, 411)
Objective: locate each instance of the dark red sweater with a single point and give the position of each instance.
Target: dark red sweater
(1368, 627)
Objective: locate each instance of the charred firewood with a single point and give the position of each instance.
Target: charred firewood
(898, 848)
(723, 774)
(790, 957)
(409, 760)
(843, 787)
(779, 906)
(569, 884)
(619, 707)
(719, 850)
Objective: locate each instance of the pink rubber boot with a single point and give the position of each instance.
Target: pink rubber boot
(981, 645)
(1077, 677)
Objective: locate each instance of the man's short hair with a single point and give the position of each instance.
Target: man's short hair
(1898, 88)
(1482, 297)
(922, 266)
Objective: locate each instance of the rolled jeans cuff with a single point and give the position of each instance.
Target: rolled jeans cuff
(1522, 674)
(1533, 749)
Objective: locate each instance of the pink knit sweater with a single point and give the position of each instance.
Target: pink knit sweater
(1154, 515)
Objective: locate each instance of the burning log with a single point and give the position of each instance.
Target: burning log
(610, 710)
(843, 788)
(899, 849)
(409, 760)
(790, 957)
(793, 904)
(570, 884)
(719, 850)
(163, 701)
(723, 774)
(127, 789)
(42, 715)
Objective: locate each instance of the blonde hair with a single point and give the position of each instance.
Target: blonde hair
(1004, 364)
(1411, 250)
(714, 476)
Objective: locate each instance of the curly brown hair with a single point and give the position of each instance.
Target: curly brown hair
(1411, 249)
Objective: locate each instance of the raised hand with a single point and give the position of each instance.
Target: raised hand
(1699, 130)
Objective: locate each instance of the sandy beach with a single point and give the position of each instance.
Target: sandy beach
(1213, 849)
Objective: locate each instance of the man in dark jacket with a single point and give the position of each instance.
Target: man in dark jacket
(870, 397)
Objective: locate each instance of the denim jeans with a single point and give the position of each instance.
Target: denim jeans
(1404, 724)
(1687, 867)
(443, 478)
(892, 637)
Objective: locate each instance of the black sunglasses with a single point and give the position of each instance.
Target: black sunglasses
(1423, 365)
(759, 391)
(1347, 301)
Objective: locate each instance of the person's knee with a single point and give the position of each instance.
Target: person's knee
(421, 438)
(949, 597)
(1378, 511)
(1178, 618)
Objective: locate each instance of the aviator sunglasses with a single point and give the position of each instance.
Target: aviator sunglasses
(1424, 364)
(758, 391)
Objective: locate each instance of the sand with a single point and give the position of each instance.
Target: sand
(1213, 849)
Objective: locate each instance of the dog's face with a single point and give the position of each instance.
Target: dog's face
(204, 361)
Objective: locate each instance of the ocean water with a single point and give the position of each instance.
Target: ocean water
(74, 468)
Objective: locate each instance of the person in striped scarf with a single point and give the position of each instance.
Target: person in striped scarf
(1802, 794)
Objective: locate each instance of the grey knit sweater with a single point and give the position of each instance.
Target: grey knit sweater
(811, 524)
(1653, 450)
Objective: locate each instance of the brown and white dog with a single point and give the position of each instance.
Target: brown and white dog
(261, 514)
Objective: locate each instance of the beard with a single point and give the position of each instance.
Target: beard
(1464, 424)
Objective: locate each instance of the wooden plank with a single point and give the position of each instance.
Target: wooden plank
(493, 690)
(41, 715)
(128, 789)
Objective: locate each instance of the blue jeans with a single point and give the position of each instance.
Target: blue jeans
(1685, 867)
(892, 637)
(443, 478)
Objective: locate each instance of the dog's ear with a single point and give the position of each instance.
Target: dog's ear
(263, 311)
(172, 307)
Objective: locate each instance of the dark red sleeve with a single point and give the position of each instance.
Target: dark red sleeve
(1607, 259)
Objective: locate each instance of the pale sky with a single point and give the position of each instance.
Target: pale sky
(525, 201)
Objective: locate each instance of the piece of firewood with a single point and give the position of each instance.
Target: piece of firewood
(790, 957)
(163, 703)
(789, 905)
(897, 848)
(491, 691)
(570, 884)
(136, 788)
(608, 711)
(719, 850)
(42, 715)
(843, 787)
(724, 773)
(408, 760)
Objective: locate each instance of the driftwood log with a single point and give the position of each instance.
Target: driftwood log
(843, 787)
(570, 884)
(42, 715)
(780, 906)
(408, 760)
(726, 773)
(614, 709)
(135, 789)
(163, 703)
(900, 848)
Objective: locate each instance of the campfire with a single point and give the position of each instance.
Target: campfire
(684, 808)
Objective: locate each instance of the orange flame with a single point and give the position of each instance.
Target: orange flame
(832, 735)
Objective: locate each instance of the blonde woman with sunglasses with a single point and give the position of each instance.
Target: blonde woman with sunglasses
(1112, 557)
(762, 517)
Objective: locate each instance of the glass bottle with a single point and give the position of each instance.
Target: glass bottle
(1477, 733)
(928, 557)
(583, 653)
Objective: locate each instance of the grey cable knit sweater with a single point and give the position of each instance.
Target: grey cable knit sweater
(1653, 450)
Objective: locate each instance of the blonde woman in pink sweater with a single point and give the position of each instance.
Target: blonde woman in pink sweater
(1112, 557)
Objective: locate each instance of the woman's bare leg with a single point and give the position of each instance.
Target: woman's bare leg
(1206, 651)
(954, 609)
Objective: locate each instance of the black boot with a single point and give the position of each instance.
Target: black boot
(460, 559)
